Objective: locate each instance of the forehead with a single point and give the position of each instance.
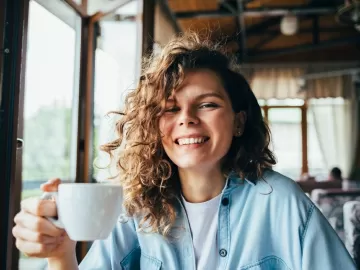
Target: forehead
(199, 82)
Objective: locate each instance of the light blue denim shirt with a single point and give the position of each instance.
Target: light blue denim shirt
(264, 224)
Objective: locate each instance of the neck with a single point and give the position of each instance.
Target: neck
(201, 185)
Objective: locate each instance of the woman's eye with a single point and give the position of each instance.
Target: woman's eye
(209, 105)
(172, 109)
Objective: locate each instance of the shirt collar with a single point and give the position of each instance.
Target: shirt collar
(234, 179)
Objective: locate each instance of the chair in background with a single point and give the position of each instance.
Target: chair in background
(352, 229)
(331, 203)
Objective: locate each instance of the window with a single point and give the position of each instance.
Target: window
(295, 141)
(333, 123)
(317, 166)
(116, 66)
(50, 87)
(285, 125)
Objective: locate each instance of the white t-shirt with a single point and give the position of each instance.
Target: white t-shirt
(203, 220)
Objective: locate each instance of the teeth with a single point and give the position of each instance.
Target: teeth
(191, 140)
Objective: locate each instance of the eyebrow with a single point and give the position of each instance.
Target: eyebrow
(205, 95)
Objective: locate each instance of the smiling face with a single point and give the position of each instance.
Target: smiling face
(199, 124)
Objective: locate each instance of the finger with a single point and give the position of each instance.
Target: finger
(51, 185)
(39, 207)
(37, 224)
(36, 237)
(34, 249)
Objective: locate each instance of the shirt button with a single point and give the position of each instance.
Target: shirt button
(225, 201)
(223, 252)
(123, 218)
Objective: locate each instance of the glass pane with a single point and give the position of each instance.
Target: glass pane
(285, 125)
(330, 128)
(117, 62)
(316, 163)
(51, 78)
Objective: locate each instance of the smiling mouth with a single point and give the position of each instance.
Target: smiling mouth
(188, 141)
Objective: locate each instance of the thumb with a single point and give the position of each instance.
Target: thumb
(51, 185)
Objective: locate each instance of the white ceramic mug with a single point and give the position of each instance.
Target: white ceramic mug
(87, 211)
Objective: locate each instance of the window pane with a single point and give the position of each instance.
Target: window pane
(285, 125)
(316, 163)
(51, 74)
(330, 128)
(117, 61)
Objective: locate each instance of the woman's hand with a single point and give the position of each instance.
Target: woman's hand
(35, 235)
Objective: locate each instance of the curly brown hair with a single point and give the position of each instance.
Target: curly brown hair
(148, 176)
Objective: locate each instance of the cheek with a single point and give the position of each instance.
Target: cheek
(162, 125)
(223, 125)
(165, 129)
(224, 129)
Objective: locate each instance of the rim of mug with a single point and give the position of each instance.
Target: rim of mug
(102, 184)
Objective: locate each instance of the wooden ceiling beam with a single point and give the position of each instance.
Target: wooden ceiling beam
(265, 40)
(242, 29)
(168, 13)
(303, 31)
(257, 12)
(262, 26)
(254, 29)
(256, 54)
(315, 32)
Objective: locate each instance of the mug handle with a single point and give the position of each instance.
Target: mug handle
(48, 196)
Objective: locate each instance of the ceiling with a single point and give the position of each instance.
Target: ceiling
(251, 29)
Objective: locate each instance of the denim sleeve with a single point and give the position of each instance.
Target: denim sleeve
(321, 246)
(111, 252)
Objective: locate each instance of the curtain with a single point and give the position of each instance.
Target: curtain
(282, 81)
(279, 83)
(336, 86)
(335, 120)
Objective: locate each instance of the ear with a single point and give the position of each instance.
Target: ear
(239, 123)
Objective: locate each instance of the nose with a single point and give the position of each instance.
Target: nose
(188, 117)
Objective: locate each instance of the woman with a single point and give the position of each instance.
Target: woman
(196, 172)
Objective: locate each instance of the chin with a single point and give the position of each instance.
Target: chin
(193, 164)
(187, 165)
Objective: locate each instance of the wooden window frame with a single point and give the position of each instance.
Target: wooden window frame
(304, 132)
(14, 14)
(13, 36)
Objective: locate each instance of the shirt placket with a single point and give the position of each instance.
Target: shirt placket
(223, 234)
